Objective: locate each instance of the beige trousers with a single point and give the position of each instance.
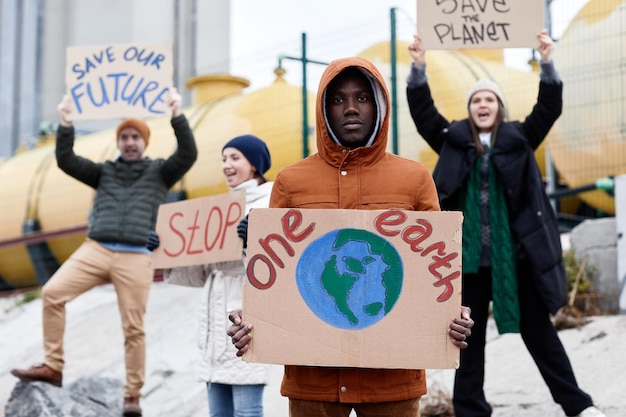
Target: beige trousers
(91, 265)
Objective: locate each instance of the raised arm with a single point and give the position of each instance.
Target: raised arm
(82, 169)
(428, 121)
(186, 152)
(550, 98)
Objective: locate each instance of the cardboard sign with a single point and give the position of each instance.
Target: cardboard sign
(199, 231)
(469, 24)
(124, 80)
(354, 288)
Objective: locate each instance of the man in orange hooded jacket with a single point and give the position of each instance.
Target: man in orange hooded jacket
(353, 170)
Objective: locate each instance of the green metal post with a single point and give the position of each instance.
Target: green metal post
(305, 107)
(394, 91)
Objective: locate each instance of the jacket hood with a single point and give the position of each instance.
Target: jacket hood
(328, 146)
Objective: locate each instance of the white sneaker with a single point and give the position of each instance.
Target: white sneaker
(591, 412)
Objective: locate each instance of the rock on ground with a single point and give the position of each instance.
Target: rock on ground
(86, 397)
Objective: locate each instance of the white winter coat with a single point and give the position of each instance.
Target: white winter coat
(222, 289)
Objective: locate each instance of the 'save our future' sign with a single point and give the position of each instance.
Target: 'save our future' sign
(119, 81)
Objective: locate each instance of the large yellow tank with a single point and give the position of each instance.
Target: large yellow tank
(586, 143)
(590, 137)
(35, 190)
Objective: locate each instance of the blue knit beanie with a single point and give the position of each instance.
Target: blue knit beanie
(255, 151)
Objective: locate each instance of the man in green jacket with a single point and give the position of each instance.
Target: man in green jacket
(129, 190)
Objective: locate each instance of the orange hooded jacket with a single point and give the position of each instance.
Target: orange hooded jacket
(365, 178)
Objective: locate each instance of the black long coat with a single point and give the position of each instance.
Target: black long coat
(532, 219)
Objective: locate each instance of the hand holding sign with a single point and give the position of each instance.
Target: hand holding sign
(174, 102)
(65, 109)
(417, 52)
(545, 45)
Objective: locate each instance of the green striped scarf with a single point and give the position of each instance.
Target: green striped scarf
(503, 264)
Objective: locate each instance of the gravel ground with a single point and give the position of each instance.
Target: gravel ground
(94, 347)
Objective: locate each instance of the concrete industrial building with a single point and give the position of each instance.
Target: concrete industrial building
(34, 35)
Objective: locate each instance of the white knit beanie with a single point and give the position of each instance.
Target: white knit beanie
(488, 85)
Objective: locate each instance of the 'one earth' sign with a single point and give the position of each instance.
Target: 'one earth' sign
(359, 288)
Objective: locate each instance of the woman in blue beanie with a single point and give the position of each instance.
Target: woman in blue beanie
(234, 387)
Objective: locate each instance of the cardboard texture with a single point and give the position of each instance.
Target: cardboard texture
(119, 81)
(353, 288)
(199, 231)
(483, 24)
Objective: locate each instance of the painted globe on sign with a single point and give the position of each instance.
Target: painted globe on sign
(350, 278)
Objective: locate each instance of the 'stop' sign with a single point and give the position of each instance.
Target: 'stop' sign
(199, 231)
(124, 80)
(473, 24)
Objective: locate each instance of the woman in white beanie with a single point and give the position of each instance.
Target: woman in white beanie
(234, 387)
(512, 252)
